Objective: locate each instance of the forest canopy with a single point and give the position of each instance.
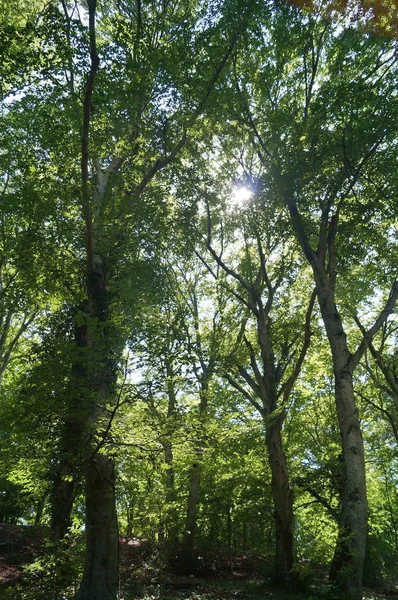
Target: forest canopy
(198, 285)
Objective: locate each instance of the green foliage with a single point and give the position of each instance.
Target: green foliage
(54, 574)
(11, 501)
(304, 106)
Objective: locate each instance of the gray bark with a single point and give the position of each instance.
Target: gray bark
(265, 383)
(347, 564)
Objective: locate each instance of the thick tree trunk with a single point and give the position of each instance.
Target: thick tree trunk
(283, 505)
(101, 572)
(350, 551)
(100, 579)
(347, 565)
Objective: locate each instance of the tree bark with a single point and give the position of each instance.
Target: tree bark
(265, 381)
(100, 579)
(67, 475)
(283, 505)
(62, 501)
(101, 564)
(101, 572)
(171, 513)
(347, 564)
(189, 536)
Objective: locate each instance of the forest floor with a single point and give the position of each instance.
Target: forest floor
(144, 575)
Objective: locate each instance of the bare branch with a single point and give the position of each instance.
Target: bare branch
(227, 287)
(5, 359)
(383, 411)
(161, 163)
(287, 387)
(244, 393)
(371, 332)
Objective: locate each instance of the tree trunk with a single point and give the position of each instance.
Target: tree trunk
(40, 508)
(283, 505)
(71, 450)
(100, 579)
(188, 541)
(101, 571)
(171, 513)
(229, 537)
(129, 515)
(62, 501)
(349, 556)
(171, 519)
(347, 565)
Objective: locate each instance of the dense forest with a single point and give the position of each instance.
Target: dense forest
(198, 279)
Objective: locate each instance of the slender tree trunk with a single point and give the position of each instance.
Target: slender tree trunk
(229, 536)
(189, 536)
(40, 508)
(129, 514)
(171, 513)
(283, 505)
(62, 501)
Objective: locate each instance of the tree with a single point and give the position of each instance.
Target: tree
(109, 146)
(267, 356)
(104, 214)
(309, 134)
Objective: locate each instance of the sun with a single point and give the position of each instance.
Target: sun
(240, 195)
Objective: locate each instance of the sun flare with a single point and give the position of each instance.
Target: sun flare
(240, 195)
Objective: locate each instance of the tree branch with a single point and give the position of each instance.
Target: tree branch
(371, 332)
(287, 387)
(87, 109)
(244, 393)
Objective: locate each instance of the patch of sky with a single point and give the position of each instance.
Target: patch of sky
(210, 18)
